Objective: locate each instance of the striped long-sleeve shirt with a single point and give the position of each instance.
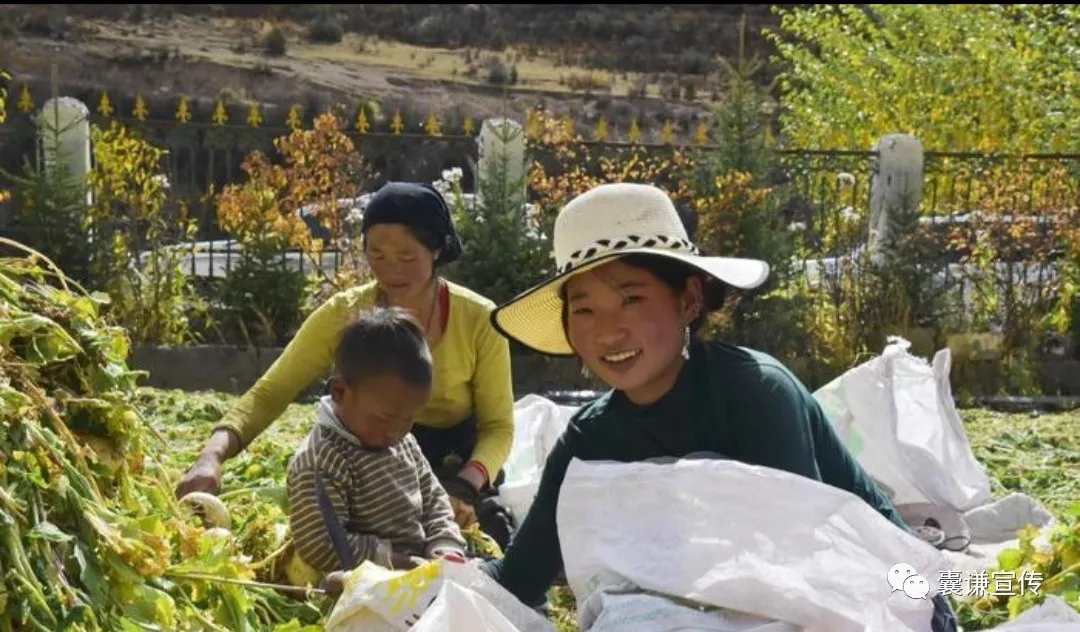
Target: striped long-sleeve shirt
(388, 501)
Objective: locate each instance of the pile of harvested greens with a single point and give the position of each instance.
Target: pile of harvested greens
(91, 536)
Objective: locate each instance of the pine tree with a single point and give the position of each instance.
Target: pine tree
(502, 254)
(52, 210)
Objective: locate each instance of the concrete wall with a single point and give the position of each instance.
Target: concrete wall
(235, 369)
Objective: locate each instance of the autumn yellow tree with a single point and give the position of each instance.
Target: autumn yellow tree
(962, 77)
(566, 166)
(134, 238)
(272, 215)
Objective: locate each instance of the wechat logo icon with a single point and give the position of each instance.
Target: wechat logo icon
(904, 577)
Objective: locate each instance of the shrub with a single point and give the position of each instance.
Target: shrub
(497, 74)
(504, 246)
(565, 166)
(693, 62)
(587, 82)
(275, 43)
(134, 256)
(326, 29)
(321, 169)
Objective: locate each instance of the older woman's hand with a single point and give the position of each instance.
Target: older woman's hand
(463, 499)
(464, 513)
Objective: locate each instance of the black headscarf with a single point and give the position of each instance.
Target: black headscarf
(418, 206)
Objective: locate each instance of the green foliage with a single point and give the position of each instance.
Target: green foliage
(961, 77)
(1034, 455)
(52, 215)
(275, 42)
(91, 536)
(739, 212)
(132, 232)
(264, 296)
(504, 248)
(326, 29)
(111, 231)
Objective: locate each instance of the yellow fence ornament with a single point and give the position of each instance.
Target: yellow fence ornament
(294, 121)
(221, 115)
(363, 126)
(533, 125)
(601, 129)
(635, 132)
(569, 129)
(254, 117)
(105, 107)
(26, 102)
(667, 134)
(397, 125)
(140, 112)
(701, 137)
(183, 111)
(431, 125)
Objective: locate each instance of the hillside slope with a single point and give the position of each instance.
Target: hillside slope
(652, 63)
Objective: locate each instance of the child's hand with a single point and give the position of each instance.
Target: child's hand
(402, 562)
(334, 584)
(450, 556)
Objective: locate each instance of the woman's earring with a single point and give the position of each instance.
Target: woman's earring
(686, 344)
(585, 372)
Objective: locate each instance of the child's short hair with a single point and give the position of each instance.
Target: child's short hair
(382, 340)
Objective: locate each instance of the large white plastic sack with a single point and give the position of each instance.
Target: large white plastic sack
(896, 414)
(624, 607)
(538, 424)
(747, 538)
(376, 599)
(458, 609)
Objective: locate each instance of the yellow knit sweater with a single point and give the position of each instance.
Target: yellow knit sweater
(472, 372)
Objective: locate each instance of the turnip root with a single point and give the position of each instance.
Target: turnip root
(213, 511)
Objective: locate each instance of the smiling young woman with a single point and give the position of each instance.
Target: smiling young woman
(466, 429)
(630, 294)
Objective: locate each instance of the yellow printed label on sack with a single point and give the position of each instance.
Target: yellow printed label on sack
(404, 591)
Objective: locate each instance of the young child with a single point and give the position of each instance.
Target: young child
(359, 486)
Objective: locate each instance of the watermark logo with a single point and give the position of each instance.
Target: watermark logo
(904, 577)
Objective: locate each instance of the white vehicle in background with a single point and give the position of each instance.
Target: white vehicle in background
(213, 259)
(956, 275)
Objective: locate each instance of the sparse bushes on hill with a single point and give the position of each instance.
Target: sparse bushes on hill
(586, 82)
(632, 38)
(497, 74)
(694, 62)
(275, 43)
(325, 29)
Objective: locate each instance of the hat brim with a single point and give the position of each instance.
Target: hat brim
(534, 317)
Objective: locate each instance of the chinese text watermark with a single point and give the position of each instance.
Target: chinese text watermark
(904, 577)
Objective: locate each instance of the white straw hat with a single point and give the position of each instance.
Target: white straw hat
(609, 221)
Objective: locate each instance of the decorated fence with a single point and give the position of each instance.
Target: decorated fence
(994, 229)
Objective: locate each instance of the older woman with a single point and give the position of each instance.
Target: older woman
(630, 293)
(466, 429)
